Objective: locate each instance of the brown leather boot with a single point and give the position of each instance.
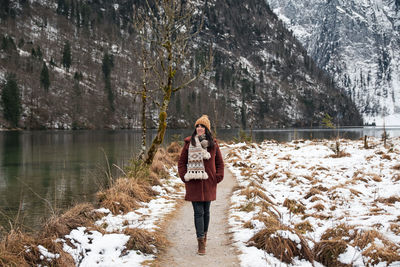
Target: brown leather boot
(205, 239)
(202, 247)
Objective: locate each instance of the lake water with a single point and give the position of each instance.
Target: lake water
(42, 172)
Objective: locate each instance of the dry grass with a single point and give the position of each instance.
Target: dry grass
(375, 253)
(248, 206)
(386, 156)
(20, 249)
(273, 176)
(396, 167)
(315, 198)
(395, 228)
(124, 195)
(80, 215)
(287, 157)
(328, 251)
(389, 200)
(248, 225)
(294, 206)
(334, 242)
(313, 191)
(255, 191)
(319, 207)
(304, 227)
(341, 154)
(376, 178)
(144, 241)
(281, 247)
(355, 192)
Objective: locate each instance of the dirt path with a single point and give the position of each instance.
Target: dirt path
(181, 233)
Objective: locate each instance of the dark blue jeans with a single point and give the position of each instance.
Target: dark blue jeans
(201, 216)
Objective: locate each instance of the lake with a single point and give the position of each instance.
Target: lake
(42, 172)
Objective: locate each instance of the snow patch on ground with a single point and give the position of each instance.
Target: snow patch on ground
(353, 190)
(92, 248)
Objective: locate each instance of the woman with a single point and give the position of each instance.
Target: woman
(201, 168)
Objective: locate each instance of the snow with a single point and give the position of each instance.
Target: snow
(351, 256)
(361, 35)
(92, 248)
(46, 253)
(351, 190)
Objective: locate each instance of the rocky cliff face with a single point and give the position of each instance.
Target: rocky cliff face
(261, 75)
(357, 42)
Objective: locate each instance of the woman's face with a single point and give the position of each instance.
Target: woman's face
(200, 129)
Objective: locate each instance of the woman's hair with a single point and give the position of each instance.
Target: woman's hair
(209, 137)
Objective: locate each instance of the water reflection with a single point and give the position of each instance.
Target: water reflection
(42, 172)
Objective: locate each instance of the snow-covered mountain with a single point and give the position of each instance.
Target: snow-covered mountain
(261, 75)
(356, 41)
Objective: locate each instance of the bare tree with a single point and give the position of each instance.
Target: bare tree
(166, 29)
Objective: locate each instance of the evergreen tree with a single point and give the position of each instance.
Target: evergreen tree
(108, 64)
(60, 6)
(67, 58)
(44, 77)
(39, 53)
(7, 43)
(11, 100)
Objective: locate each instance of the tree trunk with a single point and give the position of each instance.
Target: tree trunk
(162, 126)
(162, 119)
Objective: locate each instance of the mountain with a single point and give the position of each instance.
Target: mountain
(261, 76)
(357, 42)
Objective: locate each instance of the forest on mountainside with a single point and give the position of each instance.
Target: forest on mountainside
(76, 66)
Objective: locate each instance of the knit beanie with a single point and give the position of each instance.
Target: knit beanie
(203, 120)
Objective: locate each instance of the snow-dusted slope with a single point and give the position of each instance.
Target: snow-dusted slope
(357, 41)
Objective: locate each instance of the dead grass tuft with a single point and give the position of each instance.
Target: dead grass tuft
(313, 191)
(124, 195)
(328, 251)
(248, 206)
(355, 192)
(376, 178)
(319, 207)
(174, 147)
(273, 176)
(304, 227)
(287, 157)
(384, 251)
(395, 228)
(389, 200)
(386, 156)
(80, 215)
(144, 241)
(252, 192)
(20, 249)
(315, 198)
(341, 154)
(341, 231)
(294, 206)
(396, 167)
(333, 243)
(248, 225)
(275, 240)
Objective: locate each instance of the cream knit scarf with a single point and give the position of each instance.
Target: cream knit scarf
(195, 166)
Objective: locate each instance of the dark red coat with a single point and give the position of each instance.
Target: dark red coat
(198, 189)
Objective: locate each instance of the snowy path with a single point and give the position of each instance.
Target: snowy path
(181, 233)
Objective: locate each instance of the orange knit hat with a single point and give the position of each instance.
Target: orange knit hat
(203, 120)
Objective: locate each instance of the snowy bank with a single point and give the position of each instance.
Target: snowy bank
(323, 210)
